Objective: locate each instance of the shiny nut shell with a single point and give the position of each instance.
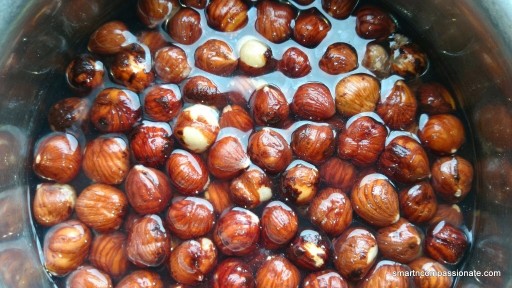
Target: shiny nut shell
(250, 189)
(190, 217)
(273, 20)
(53, 203)
(184, 27)
(227, 158)
(279, 224)
(192, 260)
(171, 64)
(115, 110)
(232, 273)
(196, 127)
(313, 143)
(294, 63)
(331, 211)
(187, 172)
(277, 271)
(227, 15)
(216, 57)
(237, 117)
(311, 27)
(161, 103)
(108, 254)
(400, 241)
(387, 274)
(237, 232)
(429, 268)
(418, 203)
(442, 133)
(398, 108)
(88, 277)
(357, 93)
(141, 279)
(452, 178)
(269, 150)
(106, 159)
(339, 58)
(110, 38)
(313, 101)
(148, 190)
(148, 243)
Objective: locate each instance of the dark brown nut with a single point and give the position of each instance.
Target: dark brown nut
(110, 38)
(269, 106)
(132, 68)
(430, 274)
(374, 23)
(299, 183)
(355, 251)
(387, 274)
(115, 110)
(404, 160)
(66, 246)
(279, 224)
(273, 20)
(256, 58)
(53, 203)
(313, 143)
(69, 114)
(410, 62)
(148, 243)
(227, 15)
(85, 73)
(357, 93)
(101, 207)
(20, 269)
(362, 141)
(237, 117)
(190, 217)
(311, 27)
(227, 158)
(418, 203)
(201, 90)
(309, 250)
(232, 273)
(275, 272)
(339, 58)
(88, 277)
(434, 98)
(198, 4)
(375, 200)
(153, 12)
(171, 64)
(108, 254)
(339, 9)
(269, 150)
(188, 173)
(217, 194)
(377, 59)
(313, 101)
(251, 189)
(57, 157)
(216, 57)
(449, 213)
(337, 173)
(331, 211)
(148, 190)
(151, 143)
(452, 178)
(141, 279)
(443, 133)
(237, 232)
(196, 127)
(294, 64)
(162, 103)
(303, 2)
(324, 279)
(446, 243)
(153, 39)
(184, 27)
(400, 241)
(398, 107)
(107, 159)
(192, 260)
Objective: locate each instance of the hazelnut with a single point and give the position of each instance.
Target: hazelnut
(201, 90)
(198, 4)
(331, 211)
(153, 39)
(153, 12)
(66, 246)
(110, 38)
(442, 134)
(311, 27)
(446, 243)
(324, 279)
(269, 106)
(57, 157)
(21, 268)
(375, 200)
(337, 173)
(187, 172)
(148, 190)
(387, 274)
(294, 63)
(434, 98)
(410, 62)
(418, 203)
(192, 260)
(299, 183)
(190, 217)
(171, 64)
(237, 232)
(255, 58)
(88, 277)
(276, 271)
(273, 20)
(141, 279)
(398, 107)
(148, 243)
(216, 57)
(339, 9)
(355, 251)
(132, 68)
(85, 73)
(279, 224)
(227, 15)
(432, 273)
(309, 250)
(377, 59)
(339, 58)
(251, 188)
(162, 103)
(217, 194)
(151, 143)
(108, 254)
(196, 127)
(53, 203)
(313, 143)
(115, 110)
(107, 159)
(227, 158)
(452, 178)
(313, 101)
(449, 213)
(357, 93)
(237, 117)
(69, 114)
(374, 23)
(184, 27)
(232, 272)
(400, 241)
(269, 150)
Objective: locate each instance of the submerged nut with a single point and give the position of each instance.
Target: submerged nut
(284, 273)
(313, 143)
(434, 98)
(374, 23)
(294, 63)
(310, 250)
(227, 15)
(398, 107)
(357, 93)
(217, 57)
(256, 58)
(311, 27)
(110, 38)
(251, 188)
(313, 101)
(171, 64)
(387, 273)
(418, 203)
(446, 243)
(339, 9)
(132, 68)
(233, 272)
(196, 127)
(53, 203)
(299, 184)
(139, 278)
(192, 260)
(106, 159)
(269, 150)
(69, 114)
(377, 59)
(88, 276)
(400, 241)
(85, 73)
(442, 133)
(153, 12)
(331, 211)
(151, 143)
(190, 217)
(273, 20)
(237, 117)
(269, 106)
(279, 224)
(184, 27)
(148, 190)
(115, 110)
(161, 103)
(227, 158)
(148, 243)
(339, 58)
(237, 232)
(452, 178)
(108, 253)
(187, 172)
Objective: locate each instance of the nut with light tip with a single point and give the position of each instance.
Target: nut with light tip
(400, 241)
(88, 277)
(446, 243)
(294, 63)
(418, 203)
(53, 203)
(311, 27)
(196, 127)
(227, 15)
(269, 106)
(442, 133)
(452, 178)
(188, 172)
(148, 190)
(430, 274)
(201, 90)
(309, 250)
(324, 279)
(108, 254)
(162, 103)
(192, 260)
(217, 194)
(357, 93)
(69, 114)
(387, 274)
(132, 68)
(107, 159)
(115, 110)
(410, 62)
(148, 243)
(269, 150)
(232, 272)
(377, 59)
(141, 279)
(299, 183)
(449, 213)
(237, 232)
(151, 143)
(110, 38)
(153, 12)
(227, 158)
(251, 188)
(337, 173)
(190, 217)
(313, 101)
(331, 211)
(255, 58)
(339, 58)
(216, 57)
(283, 272)
(273, 20)
(237, 117)
(184, 27)
(398, 107)
(279, 224)
(85, 73)
(339, 9)
(313, 143)
(374, 23)
(171, 64)
(434, 98)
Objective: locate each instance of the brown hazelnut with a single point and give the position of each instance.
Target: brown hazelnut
(374, 23)
(398, 107)
(339, 9)
(377, 59)
(309, 250)
(269, 150)
(53, 203)
(339, 58)
(187, 172)
(196, 127)
(184, 27)
(198, 4)
(148, 190)
(434, 98)
(85, 73)
(110, 38)
(232, 273)
(237, 117)
(400, 241)
(201, 90)
(132, 68)
(313, 143)
(148, 243)
(216, 57)
(227, 158)
(273, 20)
(88, 277)
(449, 213)
(255, 58)
(151, 143)
(418, 203)
(115, 110)
(331, 211)
(217, 194)
(276, 271)
(190, 217)
(192, 260)
(375, 200)
(410, 62)
(279, 224)
(313, 101)
(237, 232)
(162, 103)
(311, 27)
(324, 279)
(141, 279)
(269, 106)
(294, 63)
(432, 274)
(107, 159)
(153, 12)
(337, 173)
(101, 207)
(357, 93)
(387, 274)
(69, 114)
(251, 188)
(446, 243)
(108, 254)
(66, 246)
(442, 133)
(153, 39)
(227, 15)
(171, 64)
(299, 183)
(452, 178)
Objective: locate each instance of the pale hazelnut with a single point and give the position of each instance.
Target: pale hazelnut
(377, 59)
(196, 127)
(357, 93)
(255, 58)
(251, 188)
